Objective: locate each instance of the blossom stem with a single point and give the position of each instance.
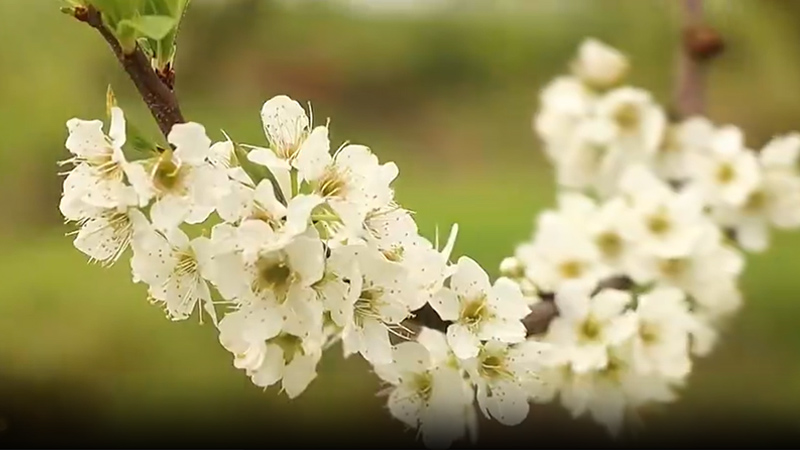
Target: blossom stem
(157, 94)
(294, 182)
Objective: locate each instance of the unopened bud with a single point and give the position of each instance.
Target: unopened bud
(599, 65)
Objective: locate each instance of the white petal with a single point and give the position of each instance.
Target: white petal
(377, 347)
(469, 280)
(271, 369)
(264, 196)
(116, 129)
(86, 138)
(192, 146)
(503, 330)
(508, 403)
(284, 121)
(307, 259)
(299, 374)
(169, 212)
(463, 342)
(507, 300)
(267, 158)
(610, 303)
(299, 211)
(314, 155)
(446, 304)
(405, 406)
(411, 357)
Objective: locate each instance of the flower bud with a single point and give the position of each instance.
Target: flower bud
(599, 65)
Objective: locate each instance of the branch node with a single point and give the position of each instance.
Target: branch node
(702, 42)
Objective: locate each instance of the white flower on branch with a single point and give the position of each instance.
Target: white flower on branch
(587, 325)
(428, 394)
(774, 201)
(479, 310)
(663, 326)
(175, 268)
(186, 186)
(562, 249)
(101, 175)
(661, 221)
(377, 302)
(267, 354)
(613, 393)
(728, 172)
(504, 375)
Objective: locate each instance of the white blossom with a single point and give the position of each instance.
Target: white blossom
(377, 302)
(427, 394)
(175, 268)
(101, 174)
(728, 172)
(479, 310)
(661, 342)
(587, 325)
(775, 201)
(502, 374)
(186, 186)
(267, 354)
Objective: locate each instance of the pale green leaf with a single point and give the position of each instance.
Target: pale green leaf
(153, 27)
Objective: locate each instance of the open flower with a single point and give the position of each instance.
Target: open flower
(478, 310)
(587, 325)
(267, 354)
(175, 268)
(728, 172)
(185, 184)
(502, 374)
(427, 395)
(101, 175)
(377, 302)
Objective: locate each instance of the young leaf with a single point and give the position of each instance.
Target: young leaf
(153, 27)
(166, 47)
(139, 146)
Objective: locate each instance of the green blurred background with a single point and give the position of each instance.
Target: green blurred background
(444, 88)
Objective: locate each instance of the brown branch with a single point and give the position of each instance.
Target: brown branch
(699, 44)
(156, 94)
(537, 322)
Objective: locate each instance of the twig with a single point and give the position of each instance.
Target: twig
(156, 94)
(537, 322)
(700, 43)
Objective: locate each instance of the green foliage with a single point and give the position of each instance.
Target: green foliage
(152, 24)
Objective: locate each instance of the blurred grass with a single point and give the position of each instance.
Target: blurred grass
(448, 97)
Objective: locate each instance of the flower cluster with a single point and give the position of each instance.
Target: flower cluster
(298, 248)
(643, 252)
(291, 248)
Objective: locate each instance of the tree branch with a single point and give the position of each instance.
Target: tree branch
(542, 313)
(700, 43)
(156, 93)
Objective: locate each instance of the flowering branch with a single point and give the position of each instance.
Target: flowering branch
(157, 94)
(700, 43)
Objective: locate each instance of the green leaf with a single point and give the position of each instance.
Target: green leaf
(153, 27)
(137, 144)
(166, 48)
(115, 11)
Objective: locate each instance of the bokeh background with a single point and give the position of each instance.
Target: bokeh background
(446, 89)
